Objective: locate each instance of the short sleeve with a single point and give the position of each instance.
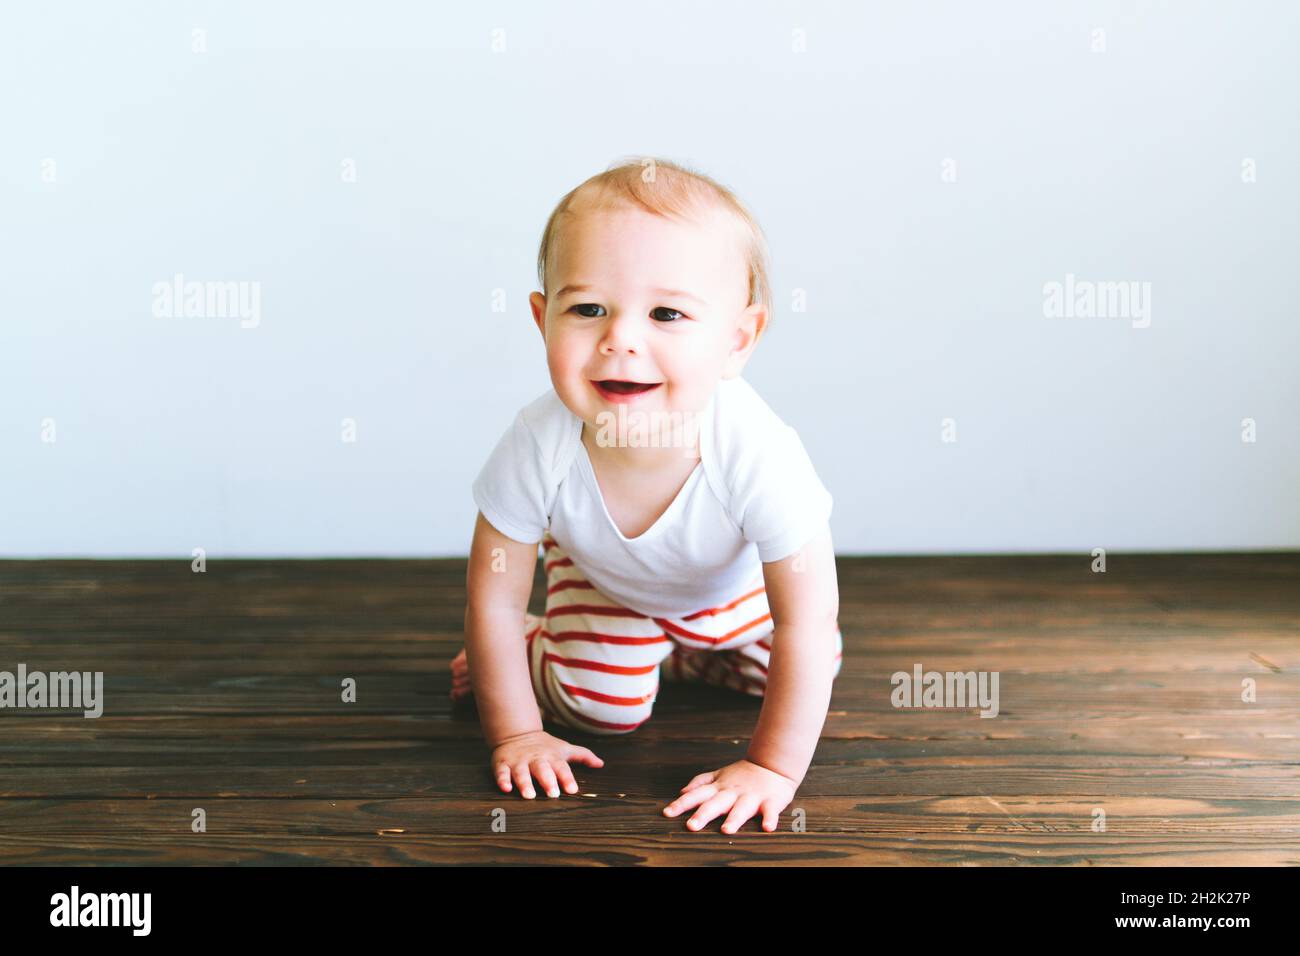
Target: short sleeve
(511, 488)
(780, 503)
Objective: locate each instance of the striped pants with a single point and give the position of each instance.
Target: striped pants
(596, 666)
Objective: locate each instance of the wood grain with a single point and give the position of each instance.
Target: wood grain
(1119, 692)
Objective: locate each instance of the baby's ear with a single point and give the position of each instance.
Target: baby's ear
(537, 302)
(753, 321)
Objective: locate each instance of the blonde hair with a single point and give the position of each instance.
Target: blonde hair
(668, 189)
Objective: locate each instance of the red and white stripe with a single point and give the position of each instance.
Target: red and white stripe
(596, 665)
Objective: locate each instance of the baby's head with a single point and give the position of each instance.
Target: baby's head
(654, 274)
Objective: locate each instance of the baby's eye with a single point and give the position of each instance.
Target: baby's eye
(672, 311)
(587, 305)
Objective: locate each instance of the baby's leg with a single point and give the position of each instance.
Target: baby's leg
(731, 669)
(594, 664)
(743, 669)
(727, 645)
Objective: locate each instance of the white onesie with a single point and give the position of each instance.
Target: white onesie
(755, 497)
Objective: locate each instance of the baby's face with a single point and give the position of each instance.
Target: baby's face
(640, 298)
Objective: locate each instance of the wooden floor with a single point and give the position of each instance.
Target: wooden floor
(1119, 692)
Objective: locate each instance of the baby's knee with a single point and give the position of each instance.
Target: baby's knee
(603, 714)
(591, 701)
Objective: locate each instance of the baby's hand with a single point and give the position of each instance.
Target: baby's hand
(539, 755)
(744, 788)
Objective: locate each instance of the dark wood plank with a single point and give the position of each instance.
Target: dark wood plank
(1119, 691)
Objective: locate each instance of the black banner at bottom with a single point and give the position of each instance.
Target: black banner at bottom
(332, 905)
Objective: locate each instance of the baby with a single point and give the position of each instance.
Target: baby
(684, 530)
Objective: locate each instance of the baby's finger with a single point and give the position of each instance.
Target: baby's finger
(711, 808)
(583, 755)
(565, 773)
(545, 776)
(740, 813)
(503, 776)
(524, 781)
(698, 779)
(692, 799)
(771, 816)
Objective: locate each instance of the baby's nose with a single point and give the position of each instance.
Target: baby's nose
(622, 332)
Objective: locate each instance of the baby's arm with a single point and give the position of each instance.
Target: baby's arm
(499, 583)
(803, 593)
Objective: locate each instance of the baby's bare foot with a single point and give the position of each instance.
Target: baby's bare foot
(460, 683)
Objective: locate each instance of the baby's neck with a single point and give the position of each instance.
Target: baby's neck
(647, 458)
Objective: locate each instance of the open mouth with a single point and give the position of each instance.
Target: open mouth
(627, 388)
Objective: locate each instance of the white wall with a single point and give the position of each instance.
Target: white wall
(924, 297)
